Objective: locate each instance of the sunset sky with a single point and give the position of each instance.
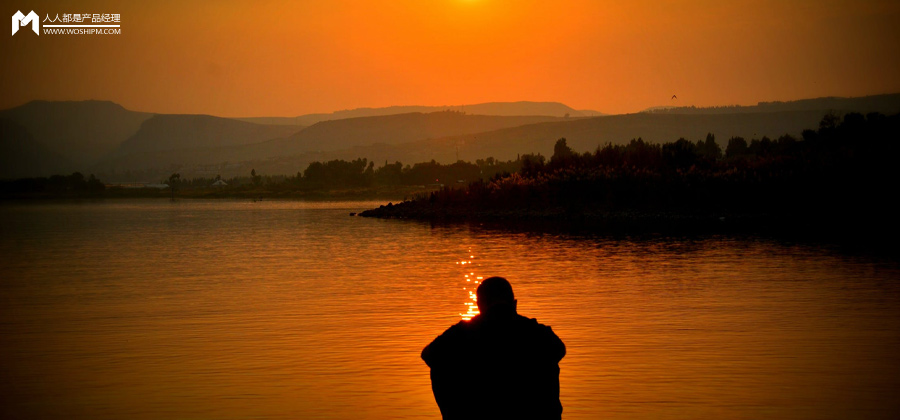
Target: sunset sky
(287, 58)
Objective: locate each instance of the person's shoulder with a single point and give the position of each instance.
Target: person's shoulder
(533, 323)
(530, 321)
(545, 335)
(445, 344)
(458, 328)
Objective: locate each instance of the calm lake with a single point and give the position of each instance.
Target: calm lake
(150, 309)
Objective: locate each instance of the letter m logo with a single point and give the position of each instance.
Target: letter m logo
(19, 20)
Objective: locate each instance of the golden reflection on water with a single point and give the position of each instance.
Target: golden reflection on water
(144, 309)
(470, 285)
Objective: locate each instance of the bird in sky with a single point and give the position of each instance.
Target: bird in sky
(674, 97)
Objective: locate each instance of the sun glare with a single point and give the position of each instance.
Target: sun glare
(472, 282)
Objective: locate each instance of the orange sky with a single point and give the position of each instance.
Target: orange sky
(286, 58)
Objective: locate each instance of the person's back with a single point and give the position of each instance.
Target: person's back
(498, 365)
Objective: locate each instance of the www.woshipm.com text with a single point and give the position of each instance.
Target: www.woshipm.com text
(82, 31)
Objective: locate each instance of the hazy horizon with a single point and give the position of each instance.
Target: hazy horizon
(288, 59)
(451, 106)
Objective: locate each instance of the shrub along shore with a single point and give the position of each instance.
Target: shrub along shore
(840, 177)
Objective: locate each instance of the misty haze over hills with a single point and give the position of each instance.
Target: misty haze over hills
(22, 155)
(393, 129)
(589, 133)
(174, 132)
(42, 138)
(508, 109)
(327, 136)
(82, 132)
(885, 104)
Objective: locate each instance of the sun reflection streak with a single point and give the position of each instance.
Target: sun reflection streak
(471, 302)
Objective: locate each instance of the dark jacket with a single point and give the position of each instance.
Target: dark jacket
(502, 366)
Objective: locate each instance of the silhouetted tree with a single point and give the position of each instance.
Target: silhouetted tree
(532, 164)
(642, 154)
(737, 146)
(337, 173)
(709, 149)
(829, 121)
(389, 174)
(94, 185)
(561, 153)
(761, 147)
(681, 155)
(173, 183)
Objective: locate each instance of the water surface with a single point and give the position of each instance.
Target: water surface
(152, 309)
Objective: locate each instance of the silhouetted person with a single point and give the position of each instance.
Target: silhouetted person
(498, 365)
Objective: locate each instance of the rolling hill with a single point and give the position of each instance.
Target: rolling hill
(582, 135)
(167, 140)
(885, 104)
(392, 129)
(43, 138)
(81, 132)
(179, 132)
(21, 156)
(508, 109)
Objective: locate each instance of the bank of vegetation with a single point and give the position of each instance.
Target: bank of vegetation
(56, 186)
(335, 179)
(841, 175)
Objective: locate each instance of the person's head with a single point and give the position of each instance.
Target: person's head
(495, 294)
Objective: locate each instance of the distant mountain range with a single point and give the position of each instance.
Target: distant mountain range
(22, 156)
(82, 132)
(582, 135)
(508, 109)
(394, 129)
(326, 136)
(178, 132)
(589, 133)
(885, 104)
(42, 138)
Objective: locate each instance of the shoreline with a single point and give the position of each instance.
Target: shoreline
(799, 224)
(387, 194)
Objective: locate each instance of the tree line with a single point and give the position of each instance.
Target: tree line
(849, 157)
(362, 173)
(843, 170)
(56, 185)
